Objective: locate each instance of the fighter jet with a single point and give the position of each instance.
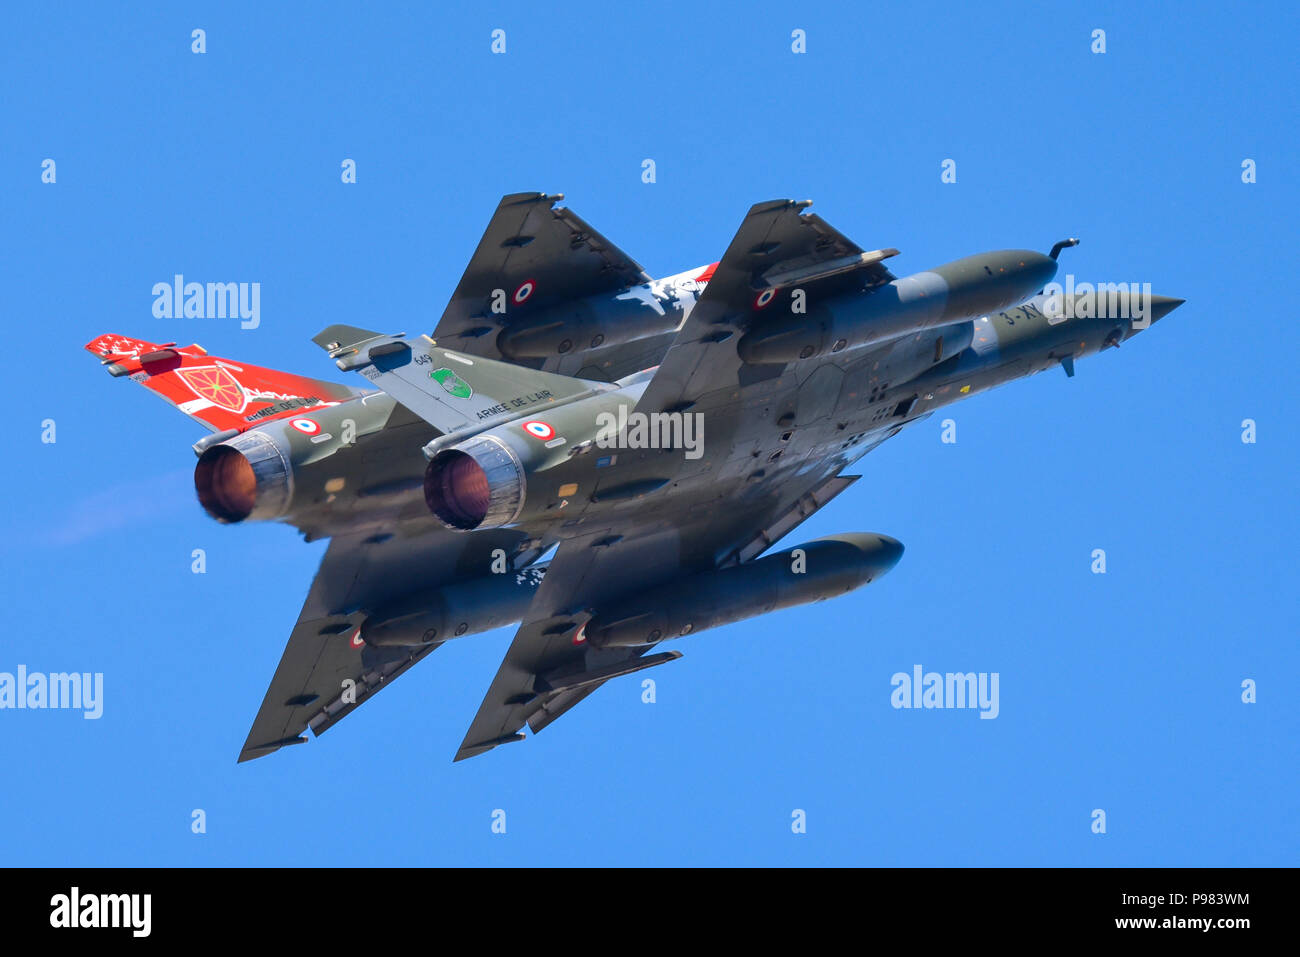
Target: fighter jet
(653, 437)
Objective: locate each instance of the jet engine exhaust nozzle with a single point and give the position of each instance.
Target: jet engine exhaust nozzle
(478, 483)
(247, 477)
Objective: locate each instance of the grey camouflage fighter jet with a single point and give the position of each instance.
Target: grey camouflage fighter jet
(657, 435)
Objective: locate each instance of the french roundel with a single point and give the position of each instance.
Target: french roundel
(524, 291)
(763, 298)
(539, 430)
(357, 641)
(306, 426)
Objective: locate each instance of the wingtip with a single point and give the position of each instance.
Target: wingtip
(109, 345)
(473, 750)
(252, 752)
(529, 197)
(339, 336)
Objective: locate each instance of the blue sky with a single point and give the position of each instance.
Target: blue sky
(1119, 691)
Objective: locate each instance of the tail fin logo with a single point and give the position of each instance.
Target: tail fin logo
(216, 385)
(453, 383)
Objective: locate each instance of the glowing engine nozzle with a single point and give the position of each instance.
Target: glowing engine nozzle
(476, 484)
(247, 477)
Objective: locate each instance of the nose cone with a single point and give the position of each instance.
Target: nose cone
(1162, 306)
(878, 550)
(1146, 310)
(1038, 270)
(994, 281)
(888, 551)
(875, 553)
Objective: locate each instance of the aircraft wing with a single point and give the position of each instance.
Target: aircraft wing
(448, 390)
(548, 669)
(777, 250)
(538, 256)
(325, 671)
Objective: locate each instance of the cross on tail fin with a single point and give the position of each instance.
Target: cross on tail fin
(220, 393)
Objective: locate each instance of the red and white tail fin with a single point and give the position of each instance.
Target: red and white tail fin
(220, 393)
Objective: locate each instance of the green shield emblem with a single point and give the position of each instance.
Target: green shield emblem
(452, 383)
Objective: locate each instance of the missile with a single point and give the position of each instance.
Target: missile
(811, 572)
(963, 289)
